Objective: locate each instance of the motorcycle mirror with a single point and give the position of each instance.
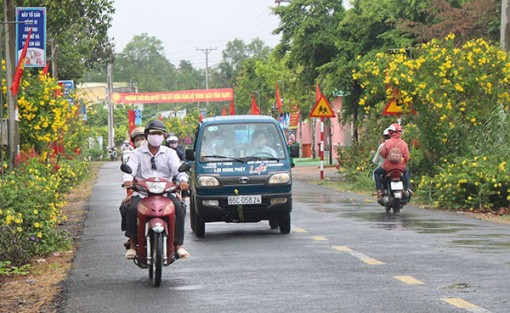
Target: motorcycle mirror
(126, 169)
(184, 167)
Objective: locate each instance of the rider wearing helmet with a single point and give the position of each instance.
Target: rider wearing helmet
(173, 142)
(138, 136)
(395, 141)
(378, 159)
(155, 159)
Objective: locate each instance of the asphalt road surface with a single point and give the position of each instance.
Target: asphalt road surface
(344, 254)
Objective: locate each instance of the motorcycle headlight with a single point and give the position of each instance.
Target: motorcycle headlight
(207, 181)
(156, 187)
(280, 178)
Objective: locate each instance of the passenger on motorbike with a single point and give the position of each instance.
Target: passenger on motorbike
(150, 160)
(395, 141)
(138, 137)
(378, 159)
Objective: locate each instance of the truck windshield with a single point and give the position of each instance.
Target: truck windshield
(242, 142)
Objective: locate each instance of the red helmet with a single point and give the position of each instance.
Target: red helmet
(395, 127)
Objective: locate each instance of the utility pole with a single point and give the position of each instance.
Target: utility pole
(505, 28)
(12, 123)
(111, 135)
(206, 51)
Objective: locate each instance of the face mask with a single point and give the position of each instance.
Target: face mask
(140, 143)
(155, 140)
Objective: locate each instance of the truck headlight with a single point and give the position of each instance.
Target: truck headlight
(280, 178)
(207, 181)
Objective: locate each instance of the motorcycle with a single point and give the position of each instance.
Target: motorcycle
(394, 196)
(112, 152)
(156, 224)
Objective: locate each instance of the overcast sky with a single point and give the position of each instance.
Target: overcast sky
(183, 26)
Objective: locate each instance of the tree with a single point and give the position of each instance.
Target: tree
(143, 61)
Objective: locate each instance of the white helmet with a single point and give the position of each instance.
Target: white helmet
(172, 138)
(386, 132)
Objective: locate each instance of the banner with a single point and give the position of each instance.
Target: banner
(198, 95)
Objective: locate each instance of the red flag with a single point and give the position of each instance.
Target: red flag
(131, 120)
(279, 104)
(224, 111)
(232, 107)
(254, 107)
(317, 92)
(20, 67)
(201, 117)
(46, 68)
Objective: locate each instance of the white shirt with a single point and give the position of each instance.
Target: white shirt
(166, 160)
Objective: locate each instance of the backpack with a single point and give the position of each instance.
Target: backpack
(395, 155)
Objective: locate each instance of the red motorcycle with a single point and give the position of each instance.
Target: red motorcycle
(156, 223)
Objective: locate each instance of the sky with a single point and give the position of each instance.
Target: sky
(185, 26)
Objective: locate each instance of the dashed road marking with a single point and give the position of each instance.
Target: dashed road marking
(409, 280)
(358, 255)
(319, 238)
(299, 230)
(463, 304)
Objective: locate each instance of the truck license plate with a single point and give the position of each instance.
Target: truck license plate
(236, 200)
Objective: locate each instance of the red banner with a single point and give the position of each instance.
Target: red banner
(198, 95)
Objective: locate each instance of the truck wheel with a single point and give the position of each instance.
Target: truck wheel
(284, 223)
(273, 223)
(197, 223)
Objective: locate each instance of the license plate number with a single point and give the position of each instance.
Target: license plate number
(397, 185)
(236, 200)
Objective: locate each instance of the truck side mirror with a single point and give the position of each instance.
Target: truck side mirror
(190, 154)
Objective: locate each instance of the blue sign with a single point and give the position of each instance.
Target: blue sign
(68, 87)
(138, 117)
(35, 19)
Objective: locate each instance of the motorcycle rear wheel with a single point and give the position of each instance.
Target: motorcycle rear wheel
(156, 268)
(397, 204)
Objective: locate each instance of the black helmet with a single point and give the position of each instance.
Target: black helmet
(155, 125)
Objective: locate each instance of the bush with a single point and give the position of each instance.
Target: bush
(31, 199)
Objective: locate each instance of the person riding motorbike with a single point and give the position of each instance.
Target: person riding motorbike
(154, 159)
(395, 141)
(126, 146)
(378, 159)
(173, 142)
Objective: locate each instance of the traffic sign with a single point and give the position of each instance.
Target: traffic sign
(322, 108)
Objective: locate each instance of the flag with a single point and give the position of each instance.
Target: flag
(46, 68)
(317, 92)
(254, 107)
(279, 104)
(224, 111)
(131, 120)
(201, 117)
(232, 107)
(20, 67)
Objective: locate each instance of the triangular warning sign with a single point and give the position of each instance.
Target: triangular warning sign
(322, 108)
(394, 108)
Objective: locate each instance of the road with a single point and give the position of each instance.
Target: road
(344, 254)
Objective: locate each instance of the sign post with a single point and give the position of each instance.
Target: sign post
(322, 109)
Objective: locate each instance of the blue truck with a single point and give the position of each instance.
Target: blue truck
(241, 173)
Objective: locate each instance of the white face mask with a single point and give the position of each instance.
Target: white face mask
(140, 143)
(155, 140)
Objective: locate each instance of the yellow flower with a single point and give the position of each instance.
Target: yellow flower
(39, 235)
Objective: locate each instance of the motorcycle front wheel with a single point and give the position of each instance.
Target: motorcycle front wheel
(156, 268)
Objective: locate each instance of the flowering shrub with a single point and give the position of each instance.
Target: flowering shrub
(31, 200)
(462, 103)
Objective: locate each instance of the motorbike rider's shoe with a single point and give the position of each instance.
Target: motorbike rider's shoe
(130, 254)
(181, 253)
(380, 197)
